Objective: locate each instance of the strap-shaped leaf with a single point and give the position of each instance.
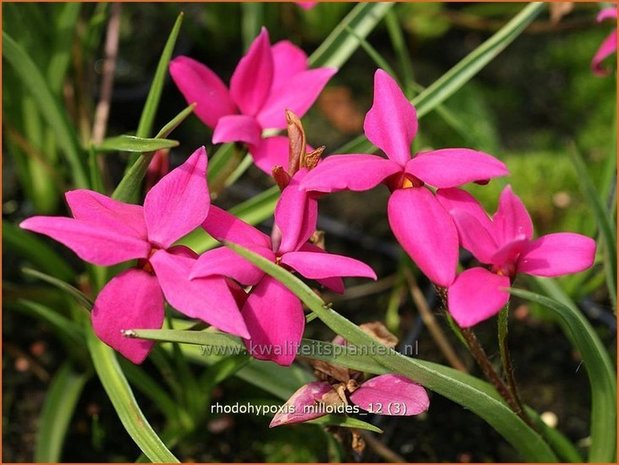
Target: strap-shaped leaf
(599, 368)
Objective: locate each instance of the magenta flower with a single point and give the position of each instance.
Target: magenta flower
(504, 243)
(274, 315)
(385, 395)
(105, 232)
(608, 46)
(267, 81)
(307, 5)
(421, 225)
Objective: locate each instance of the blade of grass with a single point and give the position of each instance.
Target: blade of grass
(79, 296)
(48, 105)
(129, 185)
(126, 143)
(122, 398)
(607, 232)
(602, 377)
(345, 422)
(60, 402)
(337, 48)
(154, 95)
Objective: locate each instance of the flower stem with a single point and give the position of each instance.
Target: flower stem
(506, 360)
(482, 360)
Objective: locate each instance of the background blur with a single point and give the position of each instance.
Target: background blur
(530, 107)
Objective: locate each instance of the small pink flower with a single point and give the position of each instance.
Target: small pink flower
(608, 46)
(267, 81)
(307, 5)
(417, 219)
(105, 232)
(387, 394)
(274, 315)
(505, 244)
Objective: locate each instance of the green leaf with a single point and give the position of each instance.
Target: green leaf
(154, 95)
(463, 389)
(32, 248)
(127, 143)
(129, 185)
(345, 422)
(48, 105)
(337, 48)
(461, 73)
(602, 377)
(603, 220)
(68, 329)
(128, 410)
(150, 388)
(60, 57)
(60, 402)
(224, 369)
(81, 298)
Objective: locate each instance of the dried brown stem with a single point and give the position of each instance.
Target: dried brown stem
(107, 82)
(435, 330)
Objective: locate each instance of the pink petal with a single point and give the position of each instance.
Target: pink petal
(426, 232)
(288, 60)
(454, 198)
(607, 13)
(91, 243)
(476, 295)
(557, 254)
(179, 202)
(131, 300)
(270, 152)
(224, 226)
(307, 5)
(208, 299)
(314, 265)
(298, 93)
(199, 84)
(455, 167)
(473, 236)
(506, 257)
(607, 48)
(251, 81)
(275, 320)
(296, 214)
(102, 211)
(511, 219)
(391, 123)
(357, 172)
(237, 128)
(335, 283)
(302, 404)
(225, 262)
(396, 394)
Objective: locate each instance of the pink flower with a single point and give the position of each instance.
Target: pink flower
(608, 46)
(385, 394)
(267, 81)
(421, 225)
(274, 315)
(307, 5)
(504, 243)
(105, 232)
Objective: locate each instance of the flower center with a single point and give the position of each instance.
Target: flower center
(144, 263)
